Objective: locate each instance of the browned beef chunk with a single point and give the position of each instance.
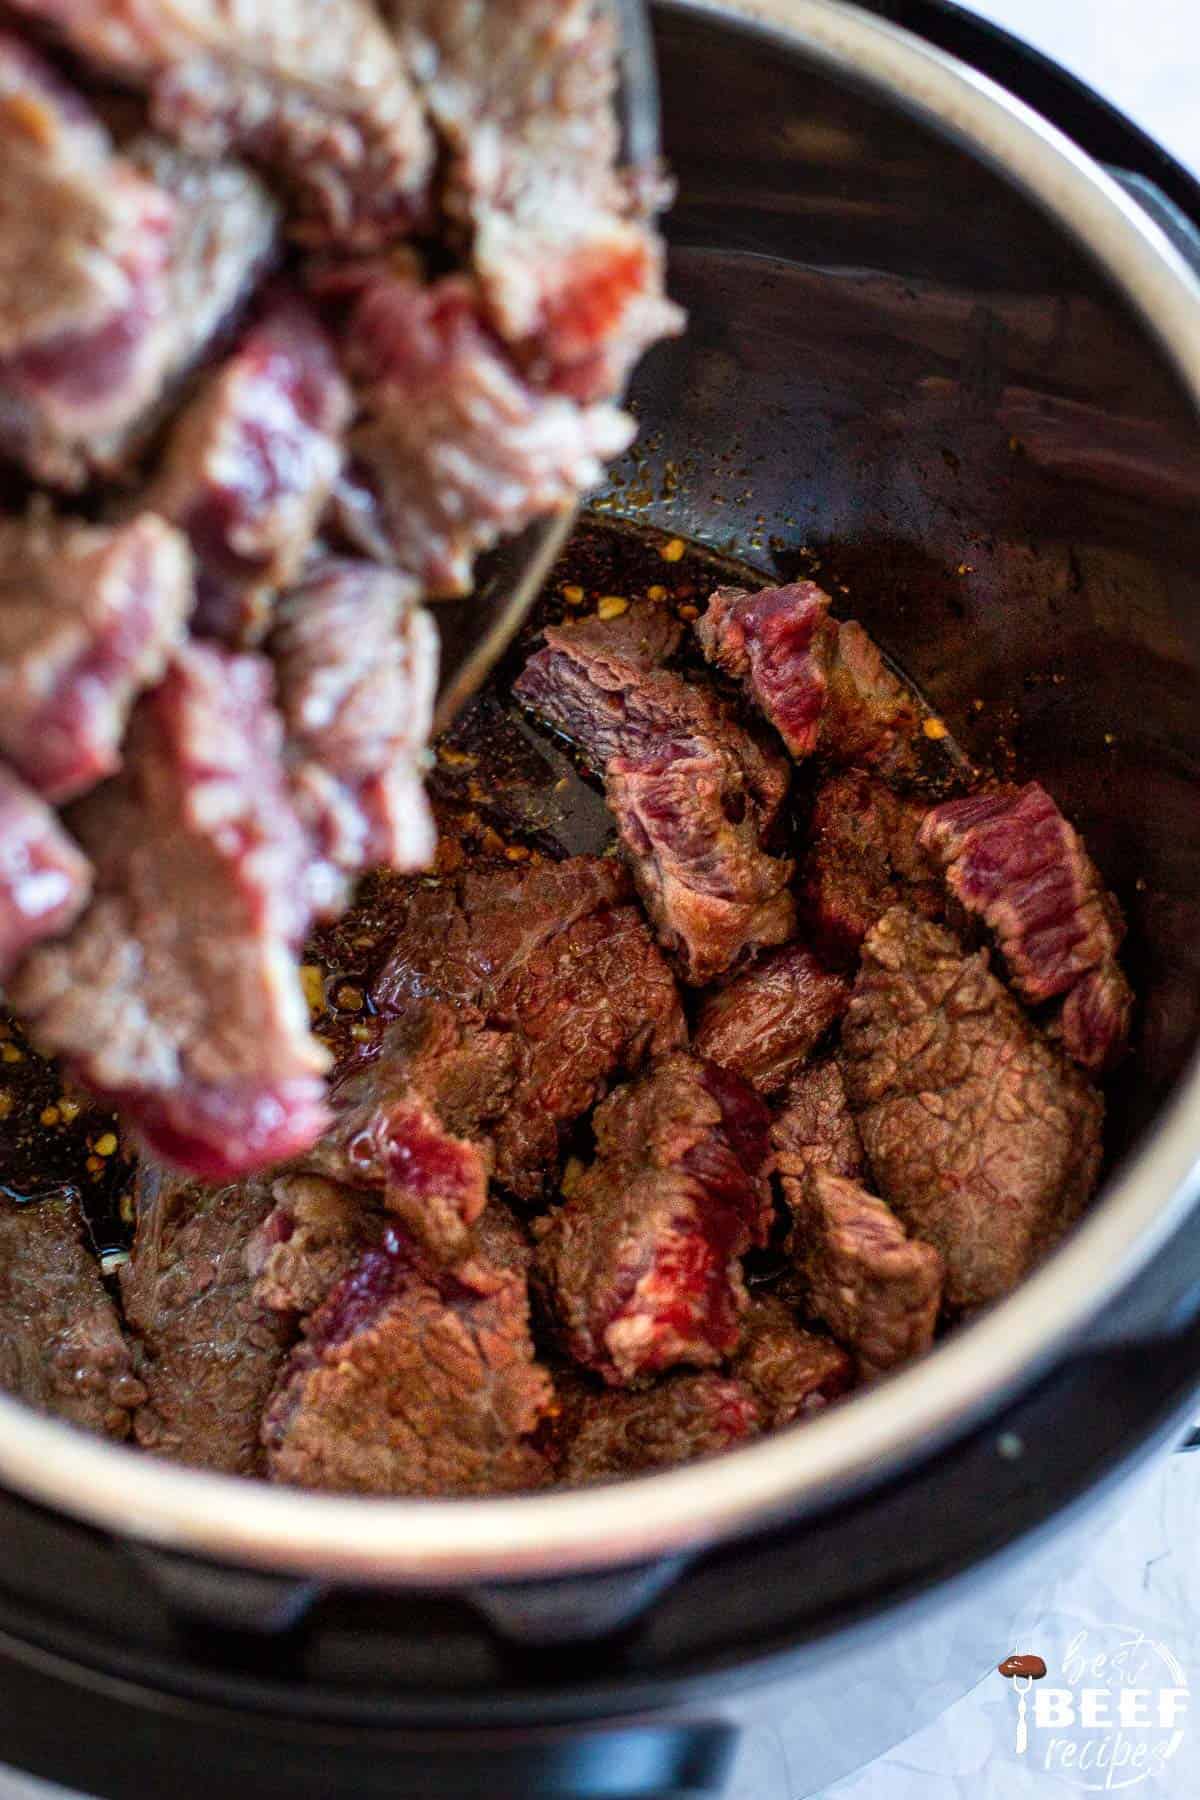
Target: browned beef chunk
(61, 1346)
(555, 976)
(501, 1239)
(1093, 1024)
(678, 1420)
(878, 1290)
(793, 1372)
(823, 685)
(776, 643)
(412, 1126)
(870, 716)
(692, 791)
(522, 92)
(815, 1129)
(208, 1351)
(45, 879)
(356, 664)
(314, 1232)
(250, 466)
(639, 1266)
(863, 857)
(177, 995)
(767, 1022)
(454, 448)
(412, 1380)
(316, 93)
(981, 1134)
(1011, 857)
(84, 248)
(87, 618)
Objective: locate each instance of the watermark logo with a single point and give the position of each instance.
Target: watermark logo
(1110, 1716)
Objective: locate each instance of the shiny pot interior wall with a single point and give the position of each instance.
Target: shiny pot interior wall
(902, 380)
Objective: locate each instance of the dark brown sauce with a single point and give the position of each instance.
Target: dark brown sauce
(512, 790)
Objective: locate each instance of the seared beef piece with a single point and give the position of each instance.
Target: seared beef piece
(878, 1290)
(84, 248)
(88, 615)
(523, 93)
(408, 1126)
(356, 666)
(793, 1372)
(776, 643)
(815, 1129)
(208, 1350)
(61, 1346)
(312, 1235)
(870, 716)
(250, 466)
(556, 976)
(1011, 857)
(679, 1420)
(692, 791)
(863, 857)
(711, 892)
(177, 996)
(981, 1134)
(639, 1266)
(500, 1238)
(454, 448)
(823, 685)
(45, 879)
(767, 1022)
(1093, 1024)
(317, 94)
(412, 1380)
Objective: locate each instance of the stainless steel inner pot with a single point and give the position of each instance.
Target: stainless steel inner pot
(939, 348)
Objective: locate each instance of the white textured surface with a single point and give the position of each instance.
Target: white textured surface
(1143, 55)
(1141, 1566)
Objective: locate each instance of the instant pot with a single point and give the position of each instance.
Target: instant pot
(945, 351)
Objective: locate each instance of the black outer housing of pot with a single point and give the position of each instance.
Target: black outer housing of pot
(123, 1671)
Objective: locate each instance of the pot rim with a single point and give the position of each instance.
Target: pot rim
(457, 1541)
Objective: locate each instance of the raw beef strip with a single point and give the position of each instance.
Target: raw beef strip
(692, 792)
(776, 643)
(815, 1129)
(62, 1350)
(314, 1232)
(177, 996)
(45, 879)
(1011, 857)
(565, 989)
(864, 856)
(208, 1351)
(412, 1380)
(980, 1133)
(523, 93)
(639, 1266)
(878, 1290)
(823, 685)
(85, 244)
(454, 448)
(793, 1372)
(317, 94)
(356, 666)
(250, 466)
(88, 616)
(678, 1420)
(767, 1022)
(412, 1126)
